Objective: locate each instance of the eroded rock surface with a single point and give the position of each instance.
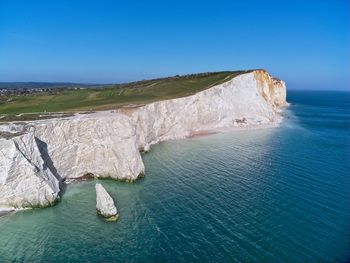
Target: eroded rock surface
(102, 144)
(25, 179)
(108, 144)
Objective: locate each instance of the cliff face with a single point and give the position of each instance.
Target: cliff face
(107, 144)
(273, 89)
(101, 145)
(25, 180)
(249, 99)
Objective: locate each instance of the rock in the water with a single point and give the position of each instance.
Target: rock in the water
(105, 204)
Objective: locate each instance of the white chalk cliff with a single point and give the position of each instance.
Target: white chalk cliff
(25, 180)
(108, 144)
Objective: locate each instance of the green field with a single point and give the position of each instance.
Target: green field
(112, 96)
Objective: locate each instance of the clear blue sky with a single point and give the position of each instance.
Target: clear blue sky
(307, 43)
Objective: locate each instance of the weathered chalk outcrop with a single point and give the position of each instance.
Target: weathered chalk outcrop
(105, 204)
(107, 144)
(25, 179)
(273, 90)
(102, 144)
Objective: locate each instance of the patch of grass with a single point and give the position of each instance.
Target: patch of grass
(113, 96)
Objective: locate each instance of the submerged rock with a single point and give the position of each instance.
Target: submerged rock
(105, 204)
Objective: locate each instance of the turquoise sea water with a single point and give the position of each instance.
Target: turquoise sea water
(272, 195)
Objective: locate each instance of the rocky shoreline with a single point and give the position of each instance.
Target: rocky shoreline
(43, 154)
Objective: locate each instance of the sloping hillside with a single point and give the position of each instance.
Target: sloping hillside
(112, 96)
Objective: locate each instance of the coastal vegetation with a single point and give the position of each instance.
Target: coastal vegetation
(74, 98)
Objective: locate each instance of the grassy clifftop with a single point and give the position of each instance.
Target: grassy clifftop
(113, 96)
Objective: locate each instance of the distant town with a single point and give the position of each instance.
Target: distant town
(32, 88)
(31, 91)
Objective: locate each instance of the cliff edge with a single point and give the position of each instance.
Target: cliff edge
(108, 144)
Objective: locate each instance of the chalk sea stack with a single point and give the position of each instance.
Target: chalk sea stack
(105, 204)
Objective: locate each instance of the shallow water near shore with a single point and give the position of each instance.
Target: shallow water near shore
(275, 195)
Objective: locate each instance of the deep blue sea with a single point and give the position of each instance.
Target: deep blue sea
(270, 195)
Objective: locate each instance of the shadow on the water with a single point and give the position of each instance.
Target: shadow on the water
(4, 214)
